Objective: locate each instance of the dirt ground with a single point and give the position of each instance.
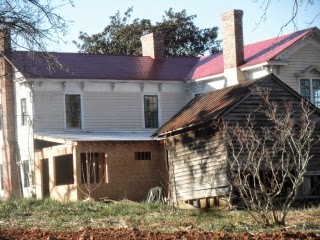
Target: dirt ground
(95, 234)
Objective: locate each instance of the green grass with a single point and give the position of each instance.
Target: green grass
(53, 215)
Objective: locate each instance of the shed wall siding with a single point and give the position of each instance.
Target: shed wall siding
(279, 94)
(197, 165)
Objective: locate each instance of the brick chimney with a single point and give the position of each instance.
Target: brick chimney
(5, 42)
(233, 53)
(9, 164)
(153, 46)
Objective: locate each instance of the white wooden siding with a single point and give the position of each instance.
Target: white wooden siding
(112, 111)
(24, 133)
(308, 55)
(105, 106)
(170, 104)
(49, 110)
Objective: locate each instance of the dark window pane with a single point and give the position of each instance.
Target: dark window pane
(93, 167)
(64, 169)
(305, 88)
(151, 111)
(142, 155)
(73, 111)
(316, 92)
(24, 114)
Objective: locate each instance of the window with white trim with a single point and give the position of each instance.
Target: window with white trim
(73, 111)
(151, 111)
(310, 90)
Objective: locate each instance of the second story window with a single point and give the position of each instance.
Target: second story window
(310, 89)
(73, 111)
(151, 111)
(24, 114)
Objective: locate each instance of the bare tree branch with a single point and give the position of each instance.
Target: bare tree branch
(267, 163)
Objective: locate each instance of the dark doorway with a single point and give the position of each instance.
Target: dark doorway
(45, 178)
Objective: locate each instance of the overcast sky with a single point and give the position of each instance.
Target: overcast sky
(92, 16)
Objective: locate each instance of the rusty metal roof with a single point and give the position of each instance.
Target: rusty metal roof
(208, 106)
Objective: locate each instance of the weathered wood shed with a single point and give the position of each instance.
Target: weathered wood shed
(197, 154)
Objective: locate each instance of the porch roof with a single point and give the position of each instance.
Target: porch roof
(65, 137)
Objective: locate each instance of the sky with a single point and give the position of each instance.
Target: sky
(92, 16)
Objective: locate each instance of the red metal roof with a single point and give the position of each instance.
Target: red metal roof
(102, 66)
(255, 53)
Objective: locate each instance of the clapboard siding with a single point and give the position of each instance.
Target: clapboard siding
(197, 163)
(198, 157)
(171, 103)
(104, 110)
(308, 55)
(48, 111)
(113, 111)
(251, 105)
(24, 151)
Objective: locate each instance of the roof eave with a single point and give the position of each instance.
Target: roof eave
(210, 77)
(264, 64)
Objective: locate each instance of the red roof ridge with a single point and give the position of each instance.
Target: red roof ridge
(254, 53)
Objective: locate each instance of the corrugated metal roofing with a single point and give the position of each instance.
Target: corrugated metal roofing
(255, 53)
(117, 67)
(102, 66)
(209, 106)
(93, 136)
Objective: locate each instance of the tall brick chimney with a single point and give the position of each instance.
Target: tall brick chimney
(233, 52)
(153, 46)
(9, 164)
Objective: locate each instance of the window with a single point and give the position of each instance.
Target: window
(24, 114)
(151, 111)
(142, 155)
(26, 172)
(73, 111)
(93, 167)
(310, 90)
(64, 169)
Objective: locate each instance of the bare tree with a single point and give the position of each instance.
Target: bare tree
(295, 6)
(267, 163)
(32, 23)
